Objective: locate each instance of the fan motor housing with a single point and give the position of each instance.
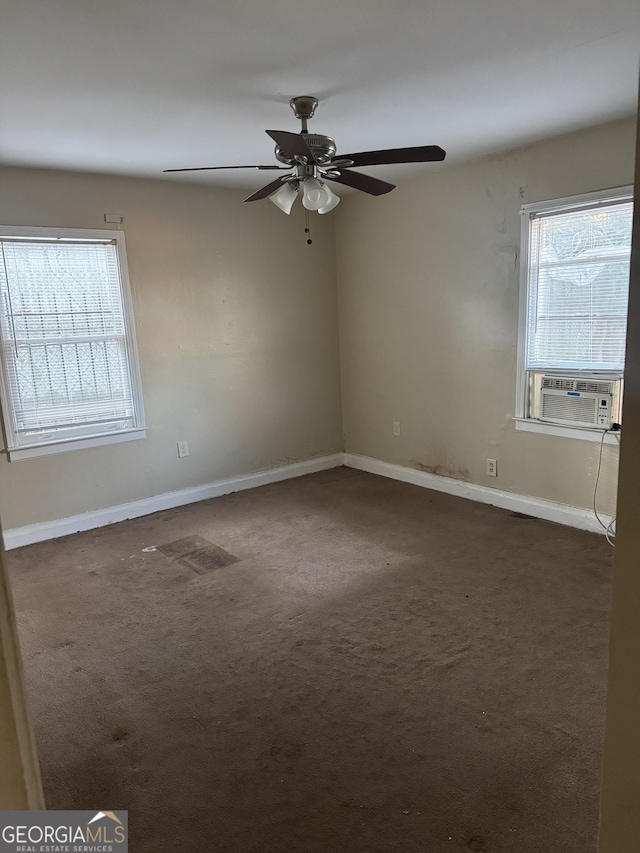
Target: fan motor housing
(322, 147)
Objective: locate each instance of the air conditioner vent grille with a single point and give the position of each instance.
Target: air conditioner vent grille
(557, 382)
(576, 409)
(592, 385)
(561, 383)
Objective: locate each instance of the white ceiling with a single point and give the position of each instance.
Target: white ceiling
(137, 86)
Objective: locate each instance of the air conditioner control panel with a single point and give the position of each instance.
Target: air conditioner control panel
(604, 408)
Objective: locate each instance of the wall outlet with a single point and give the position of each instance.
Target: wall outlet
(492, 467)
(183, 448)
(396, 427)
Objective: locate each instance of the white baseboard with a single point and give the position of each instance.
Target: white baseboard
(548, 510)
(572, 516)
(19, 536)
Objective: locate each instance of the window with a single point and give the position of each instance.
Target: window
(575, 262)
(70, 375)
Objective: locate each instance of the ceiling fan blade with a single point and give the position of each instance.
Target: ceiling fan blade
(418, 154)
(373, 186)
(291, 144)
(212, 168)
(265, 192)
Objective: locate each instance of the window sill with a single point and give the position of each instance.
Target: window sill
(15, 454)
(581, 433)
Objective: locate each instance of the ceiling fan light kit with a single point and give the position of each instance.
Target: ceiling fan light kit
(285, 196)
(333, 201)
(314, 195)
(313, 160)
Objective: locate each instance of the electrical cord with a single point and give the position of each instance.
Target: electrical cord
(609, 529)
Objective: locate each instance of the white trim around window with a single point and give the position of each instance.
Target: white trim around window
(114, 416)
(524, 421)
(582, 434)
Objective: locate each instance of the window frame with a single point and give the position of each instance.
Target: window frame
(16, 451)
(523, 418)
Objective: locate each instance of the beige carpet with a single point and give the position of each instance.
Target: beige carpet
(383, 668)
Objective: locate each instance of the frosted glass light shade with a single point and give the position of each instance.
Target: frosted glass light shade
(284, 197)
(334, 201)
(315, 194)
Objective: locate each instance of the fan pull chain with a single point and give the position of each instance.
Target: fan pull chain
(307, 230)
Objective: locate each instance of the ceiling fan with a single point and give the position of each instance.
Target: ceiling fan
(313, 161)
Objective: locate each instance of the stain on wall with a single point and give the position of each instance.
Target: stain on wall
(443, 470)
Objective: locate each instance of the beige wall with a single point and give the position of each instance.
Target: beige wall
(428, 291)
(237, 331)
(619, 820)
(236, 319)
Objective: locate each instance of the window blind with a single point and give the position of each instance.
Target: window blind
(64, 341)
(578, 288)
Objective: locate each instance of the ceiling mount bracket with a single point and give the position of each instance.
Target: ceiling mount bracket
(304, 107)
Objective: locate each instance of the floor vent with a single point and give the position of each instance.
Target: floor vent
(198, 554)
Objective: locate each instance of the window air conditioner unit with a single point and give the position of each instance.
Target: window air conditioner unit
(577, 402)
